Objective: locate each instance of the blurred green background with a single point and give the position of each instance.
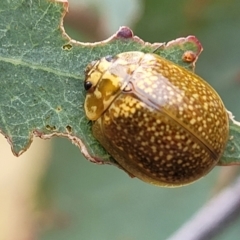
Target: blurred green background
(93, 202)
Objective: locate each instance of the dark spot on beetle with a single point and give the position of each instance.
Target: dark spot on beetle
(67, 47)
(59, 109)
(50, 128)
(69, 129)
(125, 32)
(189, 56)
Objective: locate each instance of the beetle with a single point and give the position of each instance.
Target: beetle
(159, 121)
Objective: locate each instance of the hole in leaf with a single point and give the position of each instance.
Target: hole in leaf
(67, 47)
(50, 128)
(69, 128)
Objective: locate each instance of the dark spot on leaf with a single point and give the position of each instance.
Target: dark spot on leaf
(59, 109)
(42, 89)
(50, 128)
(69, 128)
(125, 33)
(67, 47)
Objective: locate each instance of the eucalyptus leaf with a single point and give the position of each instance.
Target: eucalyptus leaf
(42, 74)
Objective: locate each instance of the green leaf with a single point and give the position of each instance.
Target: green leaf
(231, 154)
(42, 73)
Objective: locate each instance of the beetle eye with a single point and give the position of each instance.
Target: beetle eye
(87, 85)
(109, 58)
